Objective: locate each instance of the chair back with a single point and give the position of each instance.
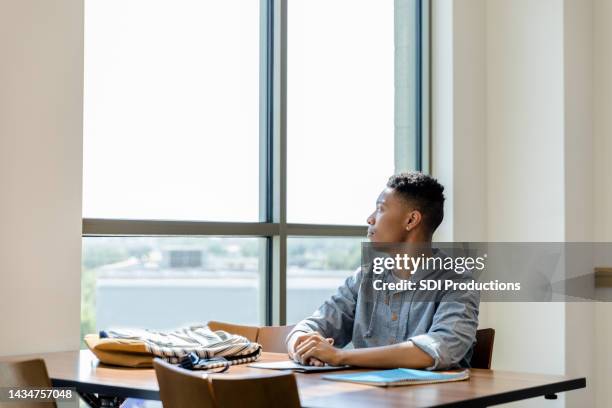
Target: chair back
(29, 373)
(180, 388)
(250, 332)
(272, 338)
(259, 392)
(483, 350)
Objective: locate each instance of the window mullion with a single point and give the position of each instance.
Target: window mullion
(273, 154)
(279, 160)
(125, 228)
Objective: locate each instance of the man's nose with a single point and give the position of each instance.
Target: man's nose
(370, 219)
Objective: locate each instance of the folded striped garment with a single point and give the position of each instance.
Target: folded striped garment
(213, 348)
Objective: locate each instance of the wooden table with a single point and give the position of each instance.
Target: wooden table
(82, 370)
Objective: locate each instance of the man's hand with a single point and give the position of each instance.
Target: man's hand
(300, 339)
(315, 350)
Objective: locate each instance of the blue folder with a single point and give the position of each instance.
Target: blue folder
(400, 376)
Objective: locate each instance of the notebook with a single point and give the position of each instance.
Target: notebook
(293, 366)
(400, 376)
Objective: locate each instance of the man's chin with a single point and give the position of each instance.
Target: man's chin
(376, 242)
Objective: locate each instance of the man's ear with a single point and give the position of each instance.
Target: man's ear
(413, 219)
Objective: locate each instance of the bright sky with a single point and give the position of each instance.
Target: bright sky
(171, 115)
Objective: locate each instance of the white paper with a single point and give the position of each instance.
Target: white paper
(293, 366)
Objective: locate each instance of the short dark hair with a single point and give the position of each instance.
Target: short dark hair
(424, 192)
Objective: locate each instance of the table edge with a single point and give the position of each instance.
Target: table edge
(108, 390)
(520, 395)
(493, 399)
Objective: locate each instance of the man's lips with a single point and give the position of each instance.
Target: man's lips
(370, 233)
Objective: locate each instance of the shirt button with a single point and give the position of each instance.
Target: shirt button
(394, 316)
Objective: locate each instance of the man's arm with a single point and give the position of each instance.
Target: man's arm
(405, 355)
(453, 330)
(448, 340)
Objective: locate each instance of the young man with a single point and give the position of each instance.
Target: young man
(393, 328)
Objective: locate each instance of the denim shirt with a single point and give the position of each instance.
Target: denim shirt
(441, 323)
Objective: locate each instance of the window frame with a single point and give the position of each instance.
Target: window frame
(273, 225)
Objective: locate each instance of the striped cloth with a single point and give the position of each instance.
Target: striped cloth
(213, 348)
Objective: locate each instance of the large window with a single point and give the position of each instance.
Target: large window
(164, 283)
(171, 116)
(340, 106)
(316, 266)
(233, 150)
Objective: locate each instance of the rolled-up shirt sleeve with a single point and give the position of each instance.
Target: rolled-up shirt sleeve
(453, 330)
(336, 316)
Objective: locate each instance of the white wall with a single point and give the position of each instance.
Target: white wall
(602, 171)
(521, 70)
(602, 69)
(578, 152)
(41, 82)
(469, 104)
(525, 120)
(460, 104)
(525, 179)
(459, 108)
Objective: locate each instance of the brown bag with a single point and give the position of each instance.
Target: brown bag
(120, 352)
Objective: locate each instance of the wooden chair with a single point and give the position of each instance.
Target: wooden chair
(180, 388)
(483, 350)
(250, 332)
(272, 338)
(259, 392)
(29, 373)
